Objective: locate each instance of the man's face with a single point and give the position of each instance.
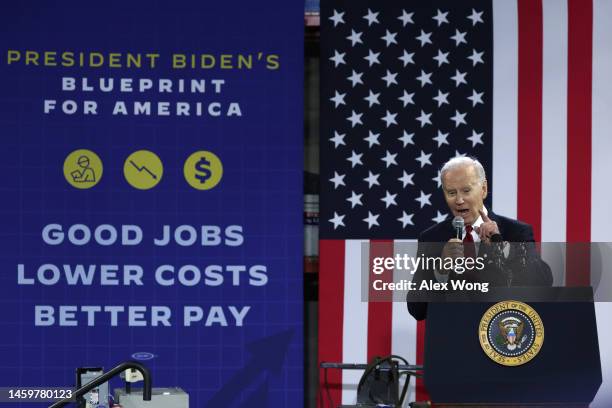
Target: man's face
(464, 193)
(83, 162)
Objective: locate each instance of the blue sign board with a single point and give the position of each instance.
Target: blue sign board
(151, 195)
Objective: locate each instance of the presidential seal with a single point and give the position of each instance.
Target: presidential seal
(511, 333)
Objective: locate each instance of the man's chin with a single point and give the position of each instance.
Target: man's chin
(469, 219)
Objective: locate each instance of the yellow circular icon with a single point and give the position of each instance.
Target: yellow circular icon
(203, 170)
(83, 169)
(143, 169)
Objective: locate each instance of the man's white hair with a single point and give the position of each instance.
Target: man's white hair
(456, 162)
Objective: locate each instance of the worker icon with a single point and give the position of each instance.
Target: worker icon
(87, 174)
(83, 169)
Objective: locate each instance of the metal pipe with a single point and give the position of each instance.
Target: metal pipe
(146, 375)
(352, 366)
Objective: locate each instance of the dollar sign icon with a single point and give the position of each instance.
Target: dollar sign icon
(202, 168)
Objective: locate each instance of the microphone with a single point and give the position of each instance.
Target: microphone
(458, 225)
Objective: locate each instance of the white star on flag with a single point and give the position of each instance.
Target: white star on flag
(355, 78)
(389, 78)
(372, 179)
(424, 159)
(338, 58)
(389, 119)
(476, 17)
(476, 138)
(405, 219)
(355, 38)
(372, 138)
(355, 199)
(459, 38)
(439, 217)
(424, 78)
(371, 17)
(424, 38)
(355, 159)
(389, 38)
(337, 220)
(407, 98)
(476, 97)
(459, 78)
(338, 99)
(438, 179)
(407, 58)
(459, 118)
(441, 58)
(441, 98)
(441, 138)
(372, 58)
(406, 18)
(337, 18)
(372, 98)
(372, 219)
(423, 199)
(389, 199)
(424, 118)
(338, 179)
(406, 179)
(406, 138)
(355, 119)
(338, 139)
(440, 17)
(476, 57)
(389, 159)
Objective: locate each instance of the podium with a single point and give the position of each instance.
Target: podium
(566, 372)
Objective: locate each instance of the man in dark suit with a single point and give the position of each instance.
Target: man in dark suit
(506, 245)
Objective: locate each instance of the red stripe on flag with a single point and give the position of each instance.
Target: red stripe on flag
(380, 313)
(529, 197)
(421, 392)
(579, 86)
(331, 315)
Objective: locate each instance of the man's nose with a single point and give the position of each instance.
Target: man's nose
(459, 199)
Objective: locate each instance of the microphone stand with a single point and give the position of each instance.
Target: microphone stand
(360, 366)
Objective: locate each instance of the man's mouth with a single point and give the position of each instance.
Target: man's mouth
(463, 212)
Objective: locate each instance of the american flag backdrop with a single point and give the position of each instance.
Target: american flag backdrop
(523, 85)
